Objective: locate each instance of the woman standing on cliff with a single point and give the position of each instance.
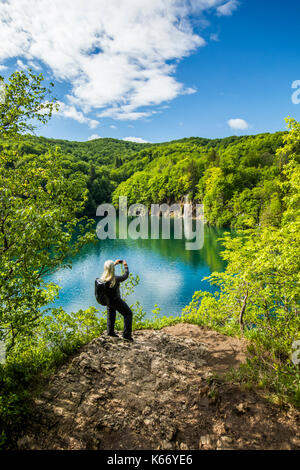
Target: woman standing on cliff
(114, 301)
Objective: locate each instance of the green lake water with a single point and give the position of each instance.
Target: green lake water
(169, 274)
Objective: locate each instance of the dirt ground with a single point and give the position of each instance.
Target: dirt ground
(159, 392)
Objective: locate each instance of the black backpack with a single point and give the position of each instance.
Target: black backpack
(101, 291)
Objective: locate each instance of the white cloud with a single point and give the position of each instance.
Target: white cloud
(30, 64)
(33, 65)
(228, 8)
(3, 67)
(122, 115)
(118, 56)
(69, 111)
(21, 65)
(138, 140)
(238, 124)
(93, 137)
(113, 127)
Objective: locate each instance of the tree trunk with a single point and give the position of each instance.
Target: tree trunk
(241, 319)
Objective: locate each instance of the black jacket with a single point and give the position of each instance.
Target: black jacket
(113, 293)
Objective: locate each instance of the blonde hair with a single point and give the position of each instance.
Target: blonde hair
(109, 273)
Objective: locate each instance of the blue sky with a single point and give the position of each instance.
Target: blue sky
(158, 70)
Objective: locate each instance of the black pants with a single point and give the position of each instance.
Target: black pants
(122, 307)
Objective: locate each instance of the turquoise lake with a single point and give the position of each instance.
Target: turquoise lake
(169, 274)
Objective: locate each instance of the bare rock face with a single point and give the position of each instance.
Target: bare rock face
(155, 393)
(114, 388)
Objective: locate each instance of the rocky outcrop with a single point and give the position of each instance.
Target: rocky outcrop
(159, 392)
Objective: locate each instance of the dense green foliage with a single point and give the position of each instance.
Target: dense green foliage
(40, 202)
(260, 288)
(37, 220)
(38, 216)
(96, 161)
(25, 104)
(236, 178)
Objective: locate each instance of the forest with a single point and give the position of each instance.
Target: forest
(236, 178)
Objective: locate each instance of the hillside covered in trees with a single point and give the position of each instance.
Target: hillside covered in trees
(237, 178)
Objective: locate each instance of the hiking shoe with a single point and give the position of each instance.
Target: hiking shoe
(128, 338)
(113, 334)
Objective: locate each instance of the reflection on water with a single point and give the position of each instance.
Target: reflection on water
(169, 274)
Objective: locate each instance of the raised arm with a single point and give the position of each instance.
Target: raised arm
(124, 276)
